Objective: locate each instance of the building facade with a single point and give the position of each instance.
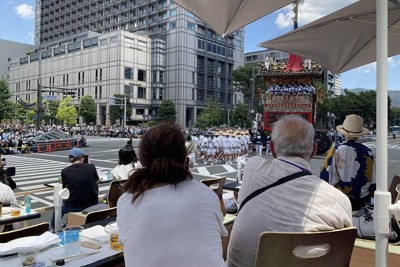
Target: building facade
(195, 64)
(332, 82)
(9, 50)
(98, 65)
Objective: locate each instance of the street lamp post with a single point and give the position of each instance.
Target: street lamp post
(39, 92)
(253, 85)
(112, 103)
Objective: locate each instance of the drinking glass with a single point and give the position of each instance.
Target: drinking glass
(72, 235)
(16, 208)
(113, 231)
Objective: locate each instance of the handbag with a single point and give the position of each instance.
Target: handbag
(363, 220)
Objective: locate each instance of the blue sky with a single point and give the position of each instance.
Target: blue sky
(17, 24)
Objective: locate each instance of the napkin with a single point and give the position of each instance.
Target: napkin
(29, 243)
(95, 233)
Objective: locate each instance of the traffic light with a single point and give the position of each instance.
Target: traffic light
(70, 92)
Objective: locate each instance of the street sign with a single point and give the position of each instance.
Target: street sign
(50, 97)
(34, 117)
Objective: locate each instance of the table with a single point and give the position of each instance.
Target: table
(106, 257)
(102, 181)
(23, 217)
(364, 254)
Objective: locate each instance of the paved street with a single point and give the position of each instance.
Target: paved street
(34, 170)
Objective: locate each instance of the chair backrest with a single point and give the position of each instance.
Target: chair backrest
(100, 215)
(115, 191)
(216, 184)
(393, 187)
(33, 230)
(284, 249)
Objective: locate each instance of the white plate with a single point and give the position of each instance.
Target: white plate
(6, 210)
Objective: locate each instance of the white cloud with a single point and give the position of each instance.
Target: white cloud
(25, 11)
(31, 35)
(371, 67)
(309, 11)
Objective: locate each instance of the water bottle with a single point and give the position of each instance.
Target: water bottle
(28, 204)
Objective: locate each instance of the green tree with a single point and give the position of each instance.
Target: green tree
(19, 112)
(67, 112)
(6, 109)
(166, 111)
(242, 80)
(88, 109)
(240, 116)
(117, 111)
(51, 111)
(210, 116)
(363, 104)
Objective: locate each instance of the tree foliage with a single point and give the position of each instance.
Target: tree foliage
(362, 104)
(210, 116)
(19, 112)
(6, 109)
(117, 111)
(67, 112)
(88, 109)
(166, 111)
(240, 116)
(242, 80)
(51, 111)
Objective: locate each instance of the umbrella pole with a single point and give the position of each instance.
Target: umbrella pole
(382, 196)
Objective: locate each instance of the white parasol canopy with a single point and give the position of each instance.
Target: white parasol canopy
(226, 16)
(342, 40)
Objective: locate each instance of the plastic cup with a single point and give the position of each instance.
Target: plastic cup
(28, 258)
(16, 208)
(113, 232)
(72, 237)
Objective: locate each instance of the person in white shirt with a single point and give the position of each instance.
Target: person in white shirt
(165, 217)
(126, 160)
(6, 197)
(305, 203)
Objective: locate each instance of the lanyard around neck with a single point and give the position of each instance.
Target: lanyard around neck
(297, 166)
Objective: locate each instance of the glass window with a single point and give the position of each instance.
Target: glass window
(128, 73)
(141, 93)
(172, 25)
(141, 75)
(191, 26)
(172, 12)
(128, 90)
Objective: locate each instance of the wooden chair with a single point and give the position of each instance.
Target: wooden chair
(100, 215)
(282, 249)
(115, 191)
(216, 184)
(33, 230)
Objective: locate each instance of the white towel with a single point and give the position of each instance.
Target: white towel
(29, 243)
(95, 233)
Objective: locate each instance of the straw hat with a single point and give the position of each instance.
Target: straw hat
(352, 126)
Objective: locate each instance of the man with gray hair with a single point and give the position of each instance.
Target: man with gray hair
(303, 202)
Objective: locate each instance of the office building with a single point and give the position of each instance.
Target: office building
(196, 63)
(100, 65)
(10, 50)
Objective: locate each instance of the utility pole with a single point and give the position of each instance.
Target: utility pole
(253, 82)
(112, 103)
(39, 92)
